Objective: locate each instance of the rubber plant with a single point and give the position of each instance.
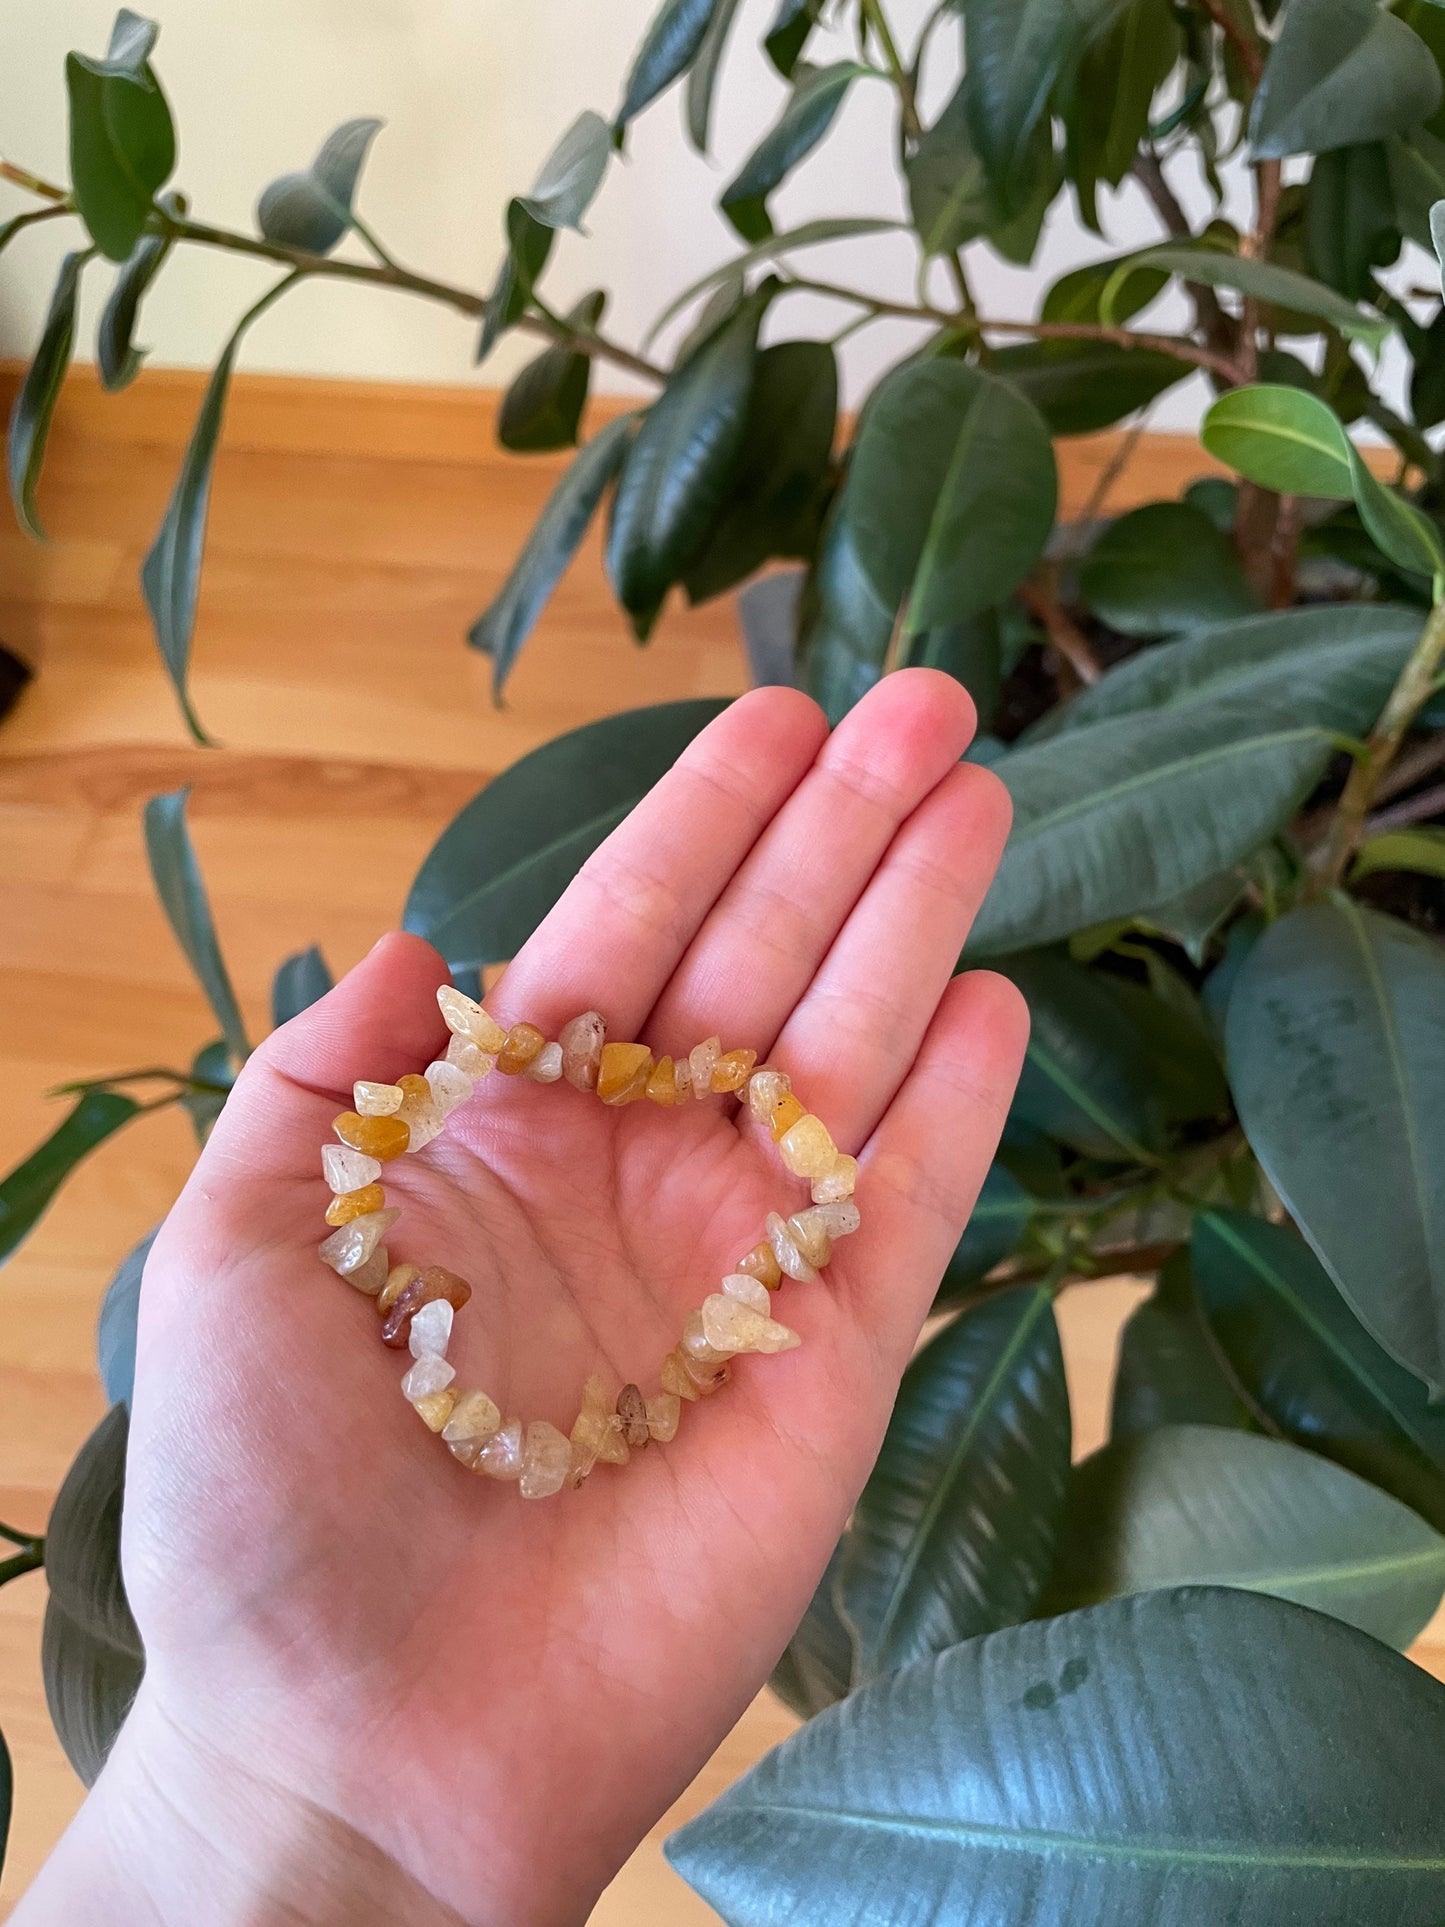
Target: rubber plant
(1167, 1683)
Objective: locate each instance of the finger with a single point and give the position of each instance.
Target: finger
(614, 938)
(922, 1169)
(850, 1042)
(770, 929)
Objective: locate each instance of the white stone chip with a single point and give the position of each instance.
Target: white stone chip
(431, 1329)
(429, 1374)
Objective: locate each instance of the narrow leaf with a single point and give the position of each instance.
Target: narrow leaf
(1398, 529)
(672, 43)
(998, 1220)
(300, 982)
(182, 891)
(115, 1336)
(1421, 850)
(34, 407)
(1266, 281)
(702, 80)
(571, 174)
(31, 1185)
(810, 234)
(543, 407)
(116, 355)
(817, 95)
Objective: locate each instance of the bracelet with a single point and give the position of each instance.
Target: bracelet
(418, 1303)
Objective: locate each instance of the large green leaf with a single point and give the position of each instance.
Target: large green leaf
(115, 1335)
(776, 493)
(817, 1665)
(171, 573)
(1079, 294)
(998, 1220)
(1399, 530)
(676, 478)
(1282, 437)
(1080, 387)
(952, 199)
(1336, 1046)
(1087, 1080)
(1168, 1372)
(954, 1532)
(311, 209)
(1016, 50)
(1187, 1505)
(34, 407)
(951, 493)
(1266, 281)
(669, 48)
(542, 409)
(1350, 223)
(1209, 1757)
(843, 629)
(500, 865)
(818, 93)
(556, 536)
(90, 1652)
(116, 355)
(1341, 71)
(182, 891)
(1308, 1366)
(122, 139)
(1163, 568)
(702, 79)
(28, 1189)
(1178, 1049)
(301, 981)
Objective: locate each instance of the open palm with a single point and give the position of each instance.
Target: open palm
(503, 1696)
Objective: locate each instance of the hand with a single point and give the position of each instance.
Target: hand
(490, 1698)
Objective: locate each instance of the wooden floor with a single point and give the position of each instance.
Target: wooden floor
(355, 533)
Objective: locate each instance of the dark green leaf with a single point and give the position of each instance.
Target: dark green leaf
(1078, 295)
(1283, 438)
(817, 1665)
(1016, 50)
(1341, 72)
(34, 408)
(810, 234)
(676, 479)
(951, 493)
(115, 1334)
(818, 93)
(571, 174)
(116, 354)
(1266, 281)
(672, 43)
(90, 1653)
(1000, 1218)
(171, 573)
(311, 209)
(843, 629)
(1185, 1067)
(1080, 387)
(775, 497)
(1217, 497)
(505, 625)
(1309, 1367)
(122, 140)
(543, 407)
(1336, 1054)
(953, 200)
(182, 891)
(1107, 98)
(498, 867)
(1163, 568)
(1427, 377)
(31, 1185)
(529, 243)
(1399, 530)
(301, 981)
(702, 80)
(212, 1065)
(1350, 220)
(1087, 1079)
(788, 35)
(971, 652)
(954, 1532)
(1168, 1372)
(1209, 1757)
(1203, 1505)
(1417, 181)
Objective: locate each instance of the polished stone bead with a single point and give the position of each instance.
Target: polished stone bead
(807, 1148)
(632, 1416)
(434, 1282)
(501, 1456)
(522, 1044)
(701, 1059)
(763, 1266)
(731, 1326)
(397, 1280)
(464, 1055)
(375, 1100)
(371, 1277)
(436, 1408)
(474, 1417)
(430, 1329)
(662, 1085)
(732, 1069)
(347, 1249)
(595, 1435)
(664, 1409)
(429, 1374)
(765, 1087)
(450, 1088)
(751, 1291)
(546, 1066)
(838, 1183)
(420, 1112)
(581, 1040)
(467, 1018)
(785, 1250)
(546, 1460)
(355, 1204)
(623, 1073)
(784, 1115)
(383, 1138)
(347, 1170)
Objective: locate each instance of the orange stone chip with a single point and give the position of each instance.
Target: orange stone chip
(435, 1282)
(382, 1138)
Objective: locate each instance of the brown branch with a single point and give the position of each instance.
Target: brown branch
(32, 183)
(1239, 37)
(1114, 467)
(1415, 809)
(1217, 328)
(1063, 632)
(1412, 766)
(1284, 553)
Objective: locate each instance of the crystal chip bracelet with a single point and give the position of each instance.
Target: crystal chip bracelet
(417, 1303)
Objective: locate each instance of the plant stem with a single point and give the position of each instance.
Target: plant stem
(1210, 319)
(1415, 683)
(32, 183)
(1238, 36)
(1041, 601)
(1115, 466)
(873, 16)
(29, 1559)
(1415, 809)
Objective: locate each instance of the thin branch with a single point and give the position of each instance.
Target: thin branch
(1415, 809)
(1412, 766)
(30, 1560)
(873, 17)
(32, 183)
(1063, 632)
(1239, 37)
(16, 1537)
(1115, 466)
(1210, 319)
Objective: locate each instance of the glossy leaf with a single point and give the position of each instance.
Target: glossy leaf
(998, 1220)
(34, 407)
(171, 573)
(702, 78)
(953, 200)
(1168, 1372)
(1164, 568)
(556, 536)
(776, 494)
(116, 355)
(215, 1072)
(1200, 1756)
(1308, 1366)
(1341, 71)
(1420, 850)
(571, 174)
(972, 652)
(529, 243)
(1107, 96)
(1184, 1065)
(844, 630)
(116, 1333)
(91, 1657)
(28, 1189)
(676, 478)
(1087, 1079)
(500, 865)
(817, 1665)
(793, 22)
(1336, 1051)
(311, 209)
(1078, 295)
(1417, 179)
(954, 1532)
(809, 234)
(1079, 387)
(1202, 1505)
(951, 493)
(1268, 282)
(1016, 49)
(300, 982)
(543, 407)
(1283, 438)
(182, 891)
(122, 139)
(1398, 529)
(669, 48)
(1350, 222)
(818, 93)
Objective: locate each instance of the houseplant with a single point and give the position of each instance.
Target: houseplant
(1218, 720)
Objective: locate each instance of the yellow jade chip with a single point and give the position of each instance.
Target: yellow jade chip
(807, 1149)
(623, 1072)
(662, 1085)
(785, 1114)
(382, 1138)
(521, 1044)
(355, 1204)
(732, 1069)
